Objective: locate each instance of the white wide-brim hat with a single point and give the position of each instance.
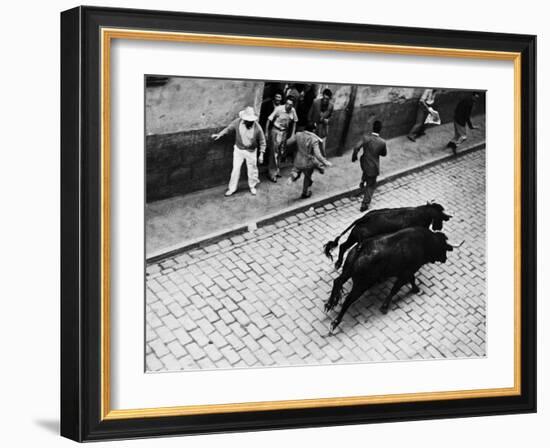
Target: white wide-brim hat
(248, 114)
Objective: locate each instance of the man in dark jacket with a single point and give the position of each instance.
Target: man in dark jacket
(374, 147)
(268, 106)
(320, 114)
(462, 117)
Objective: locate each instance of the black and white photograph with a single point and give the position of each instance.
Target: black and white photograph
(294, 224)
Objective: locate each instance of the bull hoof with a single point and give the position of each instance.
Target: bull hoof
(415, 290)
(327, 308)
(337, 265)
(333, 326)
(384, 309)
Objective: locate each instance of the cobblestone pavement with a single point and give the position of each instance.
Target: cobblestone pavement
(257, 299)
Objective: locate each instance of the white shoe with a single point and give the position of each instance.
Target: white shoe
(253, 191)
(229, 193)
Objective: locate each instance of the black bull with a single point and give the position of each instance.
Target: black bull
(388, 220)
(400, 254)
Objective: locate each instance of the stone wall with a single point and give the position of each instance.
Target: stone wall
(183, 113)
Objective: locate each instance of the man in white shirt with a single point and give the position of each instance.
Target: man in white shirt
(281, 125)
(249, 137)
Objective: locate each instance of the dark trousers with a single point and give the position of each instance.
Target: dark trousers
(308, 174)
(368, 188)
(308, 181)
(419, 125)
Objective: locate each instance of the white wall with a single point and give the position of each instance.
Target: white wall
(30, 224)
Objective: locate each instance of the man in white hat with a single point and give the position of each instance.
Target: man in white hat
(249, 137)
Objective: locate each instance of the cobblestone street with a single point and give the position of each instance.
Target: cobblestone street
(257, 299)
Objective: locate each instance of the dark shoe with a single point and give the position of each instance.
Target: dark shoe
(306, 195)
(364, 207)
(451, 145)
(321, 170)
(278, 175)
(411, 138)
(273, 179)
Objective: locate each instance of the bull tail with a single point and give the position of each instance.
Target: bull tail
(331, 245)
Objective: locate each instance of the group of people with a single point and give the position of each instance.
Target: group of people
(461, 118)
(279, 139)
(308, 143)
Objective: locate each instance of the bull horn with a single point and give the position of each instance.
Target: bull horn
(456, 246)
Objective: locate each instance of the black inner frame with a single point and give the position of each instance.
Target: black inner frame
(80, 223)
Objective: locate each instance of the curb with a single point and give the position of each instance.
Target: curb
(306, 205)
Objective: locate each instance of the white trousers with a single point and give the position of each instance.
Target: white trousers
(239, 156)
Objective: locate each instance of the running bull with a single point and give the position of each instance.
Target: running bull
(388, 220)
(400, 255)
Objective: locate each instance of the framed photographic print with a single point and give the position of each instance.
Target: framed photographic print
(275, 224)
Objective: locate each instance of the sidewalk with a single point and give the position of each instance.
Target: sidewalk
(184, 221)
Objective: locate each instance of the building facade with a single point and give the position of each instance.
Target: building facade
(183, 113)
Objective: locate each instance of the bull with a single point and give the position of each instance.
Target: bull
(400, 255)
(387, 220)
